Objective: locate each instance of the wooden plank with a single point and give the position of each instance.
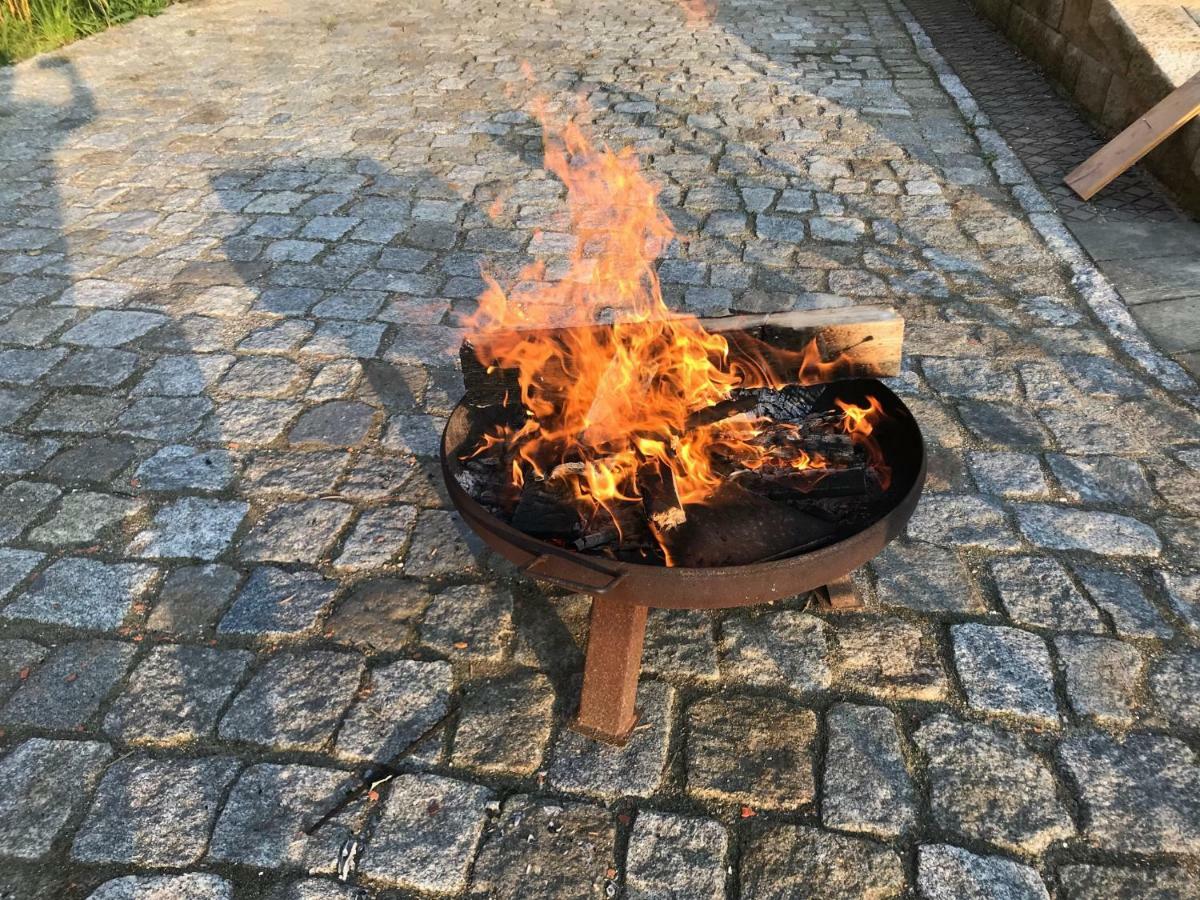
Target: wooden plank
(1168, 116)
(866, 342)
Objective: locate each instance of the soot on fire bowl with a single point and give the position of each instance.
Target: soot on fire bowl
(624, 590)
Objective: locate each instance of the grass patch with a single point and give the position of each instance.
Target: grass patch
(29, 27)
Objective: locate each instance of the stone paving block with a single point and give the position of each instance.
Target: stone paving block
(414, 434)
(190, 528)
(378, 538)
(585, 766)
(83, 517)
(17, 660)
(296, 532)
(974, 379)
(263, 376)
(163, 418)
(261, 823)
(504, 724)
(19, 456)
(175, 695)
(1125, 601)
(679, 645)
(925, 578)
(66, 690)
(473, 621)
(566, 849)
(776, 649)
(27, 366)
(43, 783)
(190, 886)
(15, 401)
(1008, 474)
(151, 812)
(178, 467)
(82, 414)
(1063, 528)
(1005, 671)
(377, 477)
(427, 836)
(15, 565)
(755, 751)
(675, 858)
(307, 474)
(96, 459)
(891, 659)
(403, 701)
(277, 604)
(295, 701)
(182, 376)
(1175, 687)
(441, 546)
(1093, 882)
(1140, 794)
(99, 368)
(951, 873)
(1184, 593)
(192, 599)
(784, 861)
(867, 787)
(338, 423)
(316, 889)
(112, 328)
(952, 520)
(1108, 480)
(986, 786)
(1103, 676)
(379, 615)
(252, 423)
(21, 503)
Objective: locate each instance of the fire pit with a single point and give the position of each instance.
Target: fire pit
(614, 446)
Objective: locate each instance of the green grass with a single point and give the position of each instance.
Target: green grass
(52, 23)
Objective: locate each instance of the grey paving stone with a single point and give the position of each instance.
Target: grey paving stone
(83, 593)
(66, 690)
(675, 858)
(952, 520)
(192, 599)
(1140, 794)
(427, 835)
(296, 532)
(504, 724)
(1103, 676)
(679, 646)
(190, 528)
(253, 423)
(1125, 601)
(755, 751)
(1093, 882)
(567, 849)
(1005, 474)
(292, 473)
(17, 659)
(1063, 528)
(416, 434)
(1108, 480)
(338, 423)
(1005, 671)
(97, 367)
(891, 659)
(21, 503)
(295, 701)
(175, 695)
(112, 328)
(777, 649)
(440, 547)
(263, 376)
(278, 604)
(1003, 425)
(925, 578)
(19, 456)
(586, 766)
(151, 812)
(1175, 687)
(867, 787)
(78, 413)
(82, 518)
(316, 889)
(14, 402)
(95, 459)
(261, 823)
(378, 538)
(190, 886)
(974, 379)
(783, 861)
(1184, 593)
(379, 615)
(164, 418)
(15, 565)
(20, 366)
(1038, 591)
(952, 873)
(182, 375)
(473, 621)
(178, 468)
(43, 783)
(986, 786)
(403, 701)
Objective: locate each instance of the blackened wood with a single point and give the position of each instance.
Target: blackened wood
(781, 483)
(544, 511)
(660, 498)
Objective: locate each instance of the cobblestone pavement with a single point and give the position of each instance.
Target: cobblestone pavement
(233, 243)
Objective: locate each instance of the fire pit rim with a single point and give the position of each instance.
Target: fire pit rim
(670, 587)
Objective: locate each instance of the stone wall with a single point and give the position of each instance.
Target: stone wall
(1117, 58)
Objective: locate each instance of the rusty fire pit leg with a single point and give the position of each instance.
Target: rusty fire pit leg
(841, 594)
(610, 672)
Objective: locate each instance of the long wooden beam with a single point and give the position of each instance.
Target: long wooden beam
(1167, 116)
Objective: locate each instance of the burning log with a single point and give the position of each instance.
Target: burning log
(810, 484)
(660, 499)
(546, 509)
(852, 342)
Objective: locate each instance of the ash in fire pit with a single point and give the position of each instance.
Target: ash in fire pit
(796, 468)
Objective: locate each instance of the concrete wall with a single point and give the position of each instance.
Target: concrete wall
(1117, 58)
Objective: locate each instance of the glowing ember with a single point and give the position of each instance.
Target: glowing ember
(610, 409)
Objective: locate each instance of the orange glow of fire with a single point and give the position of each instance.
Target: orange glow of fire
(616, 400)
